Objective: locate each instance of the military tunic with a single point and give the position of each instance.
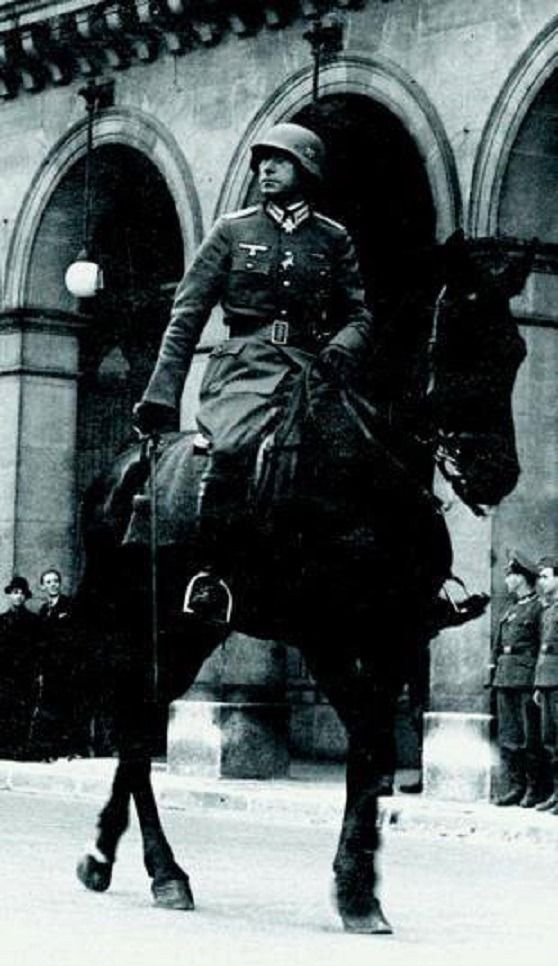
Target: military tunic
(288, 283)
(515, 650)
(546, 679)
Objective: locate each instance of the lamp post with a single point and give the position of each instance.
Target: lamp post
(84, 277)
(325, 36)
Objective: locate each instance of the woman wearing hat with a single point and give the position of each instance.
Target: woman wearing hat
(20, 635)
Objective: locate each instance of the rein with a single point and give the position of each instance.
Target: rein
(351, 401)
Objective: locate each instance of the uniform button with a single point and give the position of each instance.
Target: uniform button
(286, 283)
(249, 264)
(283, 311)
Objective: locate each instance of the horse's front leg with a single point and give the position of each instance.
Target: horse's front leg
(364, 698)
(354, 865)
(170, 885)
(94, 870)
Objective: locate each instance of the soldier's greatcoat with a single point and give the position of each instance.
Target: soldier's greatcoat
(288, 283)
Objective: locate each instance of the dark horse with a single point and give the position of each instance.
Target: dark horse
(342, 521)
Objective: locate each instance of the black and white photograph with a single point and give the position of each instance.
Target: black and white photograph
(279, 482)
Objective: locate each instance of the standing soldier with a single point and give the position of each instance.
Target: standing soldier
(288, 281)
(514, 656)
(546, 676)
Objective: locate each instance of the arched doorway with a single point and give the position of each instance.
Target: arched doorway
(524, 211)
(137, 239)
(376, 185)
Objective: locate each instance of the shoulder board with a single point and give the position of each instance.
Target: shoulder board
(242, 213)
(329, 221)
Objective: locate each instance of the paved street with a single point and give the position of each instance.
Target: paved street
(262, 896)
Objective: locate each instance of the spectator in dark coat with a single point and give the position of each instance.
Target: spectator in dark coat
(61, 724)
(20, 642)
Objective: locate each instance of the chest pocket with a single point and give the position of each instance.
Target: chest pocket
(251, 262)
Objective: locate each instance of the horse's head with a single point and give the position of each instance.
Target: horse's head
(476, 351)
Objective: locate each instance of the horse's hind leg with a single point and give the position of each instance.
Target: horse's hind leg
(170, 885)
(94, 870)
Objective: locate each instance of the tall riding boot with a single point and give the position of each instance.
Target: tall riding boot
(534, 793)
(551, 803)
(514, 772)
(208, 596)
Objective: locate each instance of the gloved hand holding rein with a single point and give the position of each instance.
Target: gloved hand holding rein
(149, 417)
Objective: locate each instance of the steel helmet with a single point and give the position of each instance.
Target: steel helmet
(303, 145)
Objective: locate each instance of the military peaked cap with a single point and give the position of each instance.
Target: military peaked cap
(518, 563)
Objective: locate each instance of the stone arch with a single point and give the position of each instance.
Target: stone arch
(378, 79)
(526, 79)
(120, 126)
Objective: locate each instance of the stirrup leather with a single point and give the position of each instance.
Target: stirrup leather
(209, 588)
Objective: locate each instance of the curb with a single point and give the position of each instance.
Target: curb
(285, 801)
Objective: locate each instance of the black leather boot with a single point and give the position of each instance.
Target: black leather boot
(515, 778)
(551, 803)
(534, 793)
(208, 595)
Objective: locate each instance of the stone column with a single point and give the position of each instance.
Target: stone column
(234, 722)
(458, 756)
(38, 402)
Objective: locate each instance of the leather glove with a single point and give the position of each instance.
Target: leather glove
(150, 417)
(446, 614)
(338, 365)
(487, 685)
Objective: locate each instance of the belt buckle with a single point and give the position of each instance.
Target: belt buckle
(279, 332)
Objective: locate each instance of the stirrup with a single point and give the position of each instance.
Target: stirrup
(209, 598)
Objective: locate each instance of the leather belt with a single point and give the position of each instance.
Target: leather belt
(280, 332)
(517, 648)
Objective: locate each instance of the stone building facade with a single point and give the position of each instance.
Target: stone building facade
(443, 113)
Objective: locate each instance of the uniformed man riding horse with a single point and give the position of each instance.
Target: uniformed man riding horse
(289, 284)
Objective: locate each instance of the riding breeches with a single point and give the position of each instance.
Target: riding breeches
(549, 711)
(518, 719)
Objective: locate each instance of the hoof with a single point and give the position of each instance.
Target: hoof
(93, 874)
(372, 923)
(173, 894)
